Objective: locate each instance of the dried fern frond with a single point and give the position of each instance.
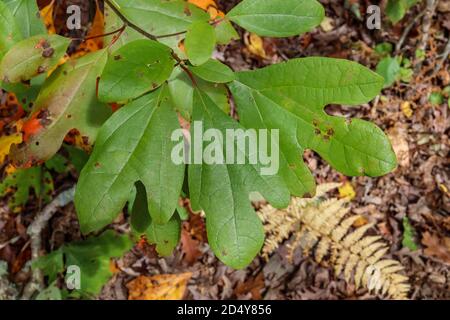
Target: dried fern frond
(325, 229)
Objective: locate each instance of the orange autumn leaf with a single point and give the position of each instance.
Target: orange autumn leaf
(159, 287)
(209, 6)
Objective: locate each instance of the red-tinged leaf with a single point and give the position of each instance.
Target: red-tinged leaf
(67, 101)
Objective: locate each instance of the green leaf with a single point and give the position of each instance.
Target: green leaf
(436, 98)
(22, 181)
(27, 13)
(277, 18)
(67, 101)
(133, 145)
(225, 32)
(291, 96)
(214, 71)
(52, 292)
(182, 93)
(396, 10)
(235, 232)
(51, 264)
(57, 163)
(31, 57)
(77, 157)
(9, 30)
(408, 235)
(140, 217)
(135, 69)
(160, 17)
(384, 48)
(200, 42)
(389, 69)
(93, 256)
(165, 236)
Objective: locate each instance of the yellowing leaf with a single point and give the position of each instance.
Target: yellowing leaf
(347, 191)
(327, 24)
(255, 44)
(47, 15)
(159, 287)
(406, 109)
(6, 142)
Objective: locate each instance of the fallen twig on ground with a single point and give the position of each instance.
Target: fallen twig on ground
(35, 230)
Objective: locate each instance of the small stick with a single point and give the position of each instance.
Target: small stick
(443, 59)
(35, 230)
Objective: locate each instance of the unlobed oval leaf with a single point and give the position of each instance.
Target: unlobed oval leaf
(214, 71)
(200, 42)
(135, 69)
(28, 17)
(9, 30)
(277, 18)
(133, 145)
(31, 57)
(159, 17)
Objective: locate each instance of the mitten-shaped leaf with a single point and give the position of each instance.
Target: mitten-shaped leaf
(9, 30)
(27, 16)
(200, 42)
(277, 18)
(135, 69)
(291, 96)
(133, 145)
(164, 236)
(32, 57)
(67, 101)
(222, 190)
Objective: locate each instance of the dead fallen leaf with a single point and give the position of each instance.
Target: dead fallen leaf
(252, 286)
(159, 287)
(397, 135)
(436, 247)
(189, 246)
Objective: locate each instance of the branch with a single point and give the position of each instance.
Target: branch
(427, 21)
(443, 59)
(35, 230)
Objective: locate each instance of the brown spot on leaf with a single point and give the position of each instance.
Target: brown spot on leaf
(118, 57)
(48, 53)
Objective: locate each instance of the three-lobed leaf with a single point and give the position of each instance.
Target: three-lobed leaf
(164, 236)
(135, 69)
(31, 57)
(133, 145)
(277, 18)
(235, 233)
(291, 96)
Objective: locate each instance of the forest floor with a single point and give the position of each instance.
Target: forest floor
(418, 189)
